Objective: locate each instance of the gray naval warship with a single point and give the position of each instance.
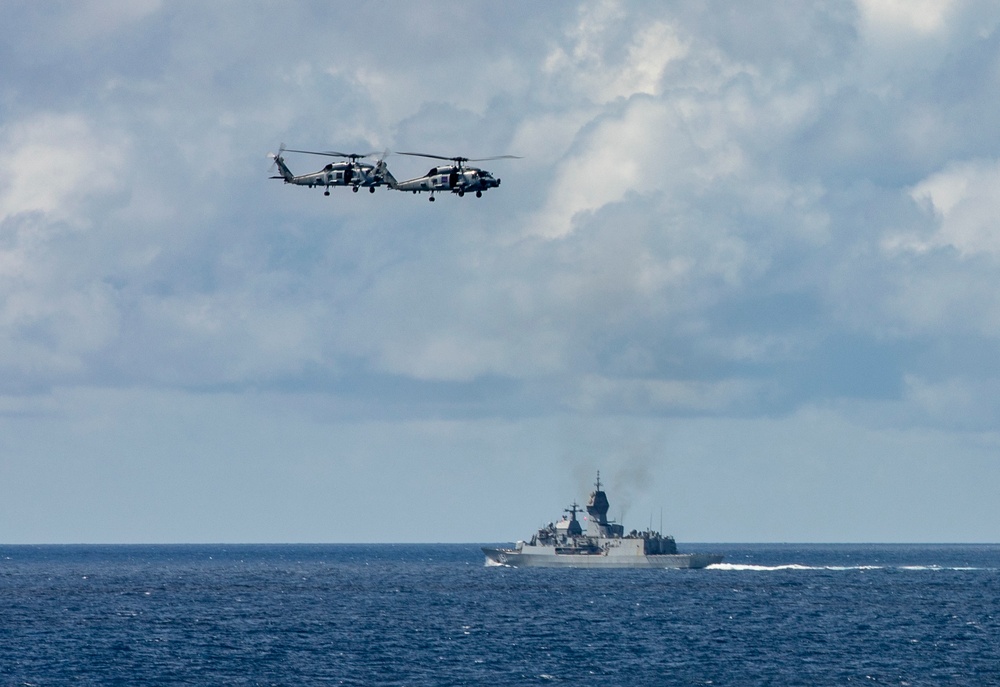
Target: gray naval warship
(605, 544)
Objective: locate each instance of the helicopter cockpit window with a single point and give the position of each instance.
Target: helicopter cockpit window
(434, 170)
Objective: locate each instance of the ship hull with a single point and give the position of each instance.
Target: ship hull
(549, 559)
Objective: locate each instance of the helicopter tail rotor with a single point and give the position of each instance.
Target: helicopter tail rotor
(276, 156)
(279, 162)
(382, 173)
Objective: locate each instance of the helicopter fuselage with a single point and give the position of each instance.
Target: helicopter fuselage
(354, 174)
(344, 174)
(460, 180)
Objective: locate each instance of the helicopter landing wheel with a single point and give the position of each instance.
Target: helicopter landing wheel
(479, 194)
(461, 194)
(355, 189)
(326, 193)
(432, 199)
(371, 189)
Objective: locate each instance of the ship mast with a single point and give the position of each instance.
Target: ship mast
(574, 528)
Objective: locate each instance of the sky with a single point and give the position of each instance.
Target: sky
(746, 267)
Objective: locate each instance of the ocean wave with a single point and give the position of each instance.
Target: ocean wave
(762, 568)
(797, 566)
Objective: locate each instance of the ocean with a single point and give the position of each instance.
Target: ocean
(436, 615)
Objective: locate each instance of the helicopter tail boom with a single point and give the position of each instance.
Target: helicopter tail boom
(382, 172)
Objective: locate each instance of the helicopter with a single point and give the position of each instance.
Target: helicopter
(456, 177)
(350, 172)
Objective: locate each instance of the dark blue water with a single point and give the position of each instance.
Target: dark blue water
(435, 615)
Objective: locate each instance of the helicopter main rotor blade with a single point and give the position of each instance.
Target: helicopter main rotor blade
(459, 159)
(315, 152)
(495, 157)
(332, 153)
(436, 157)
